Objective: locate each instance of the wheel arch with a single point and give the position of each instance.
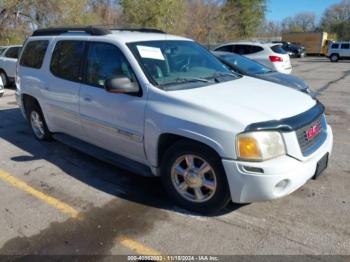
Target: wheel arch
(166, 140)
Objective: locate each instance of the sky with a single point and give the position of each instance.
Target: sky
(279, 9)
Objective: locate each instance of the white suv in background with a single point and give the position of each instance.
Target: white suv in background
(339, 51)
(163, 105)
(8, 60)
(269, 54)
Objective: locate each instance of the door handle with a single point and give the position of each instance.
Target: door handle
(87, 99)
(46, 88)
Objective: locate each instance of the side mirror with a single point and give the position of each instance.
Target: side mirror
(121, 85)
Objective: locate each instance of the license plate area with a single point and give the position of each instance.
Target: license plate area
(321, 166)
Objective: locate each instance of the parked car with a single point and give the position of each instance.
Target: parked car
(248, 67)
(292, 49)
(8, 60)
(163, 105)
(339, 51)
(271, 55)
(1, 88)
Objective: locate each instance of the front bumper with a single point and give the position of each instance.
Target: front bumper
(247, 187)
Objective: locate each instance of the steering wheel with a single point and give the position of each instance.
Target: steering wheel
(185, 67)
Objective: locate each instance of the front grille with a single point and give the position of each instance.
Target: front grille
(308, 146)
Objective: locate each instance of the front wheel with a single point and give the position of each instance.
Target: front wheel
(194, 177)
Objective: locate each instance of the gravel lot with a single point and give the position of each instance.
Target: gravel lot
(45, 185)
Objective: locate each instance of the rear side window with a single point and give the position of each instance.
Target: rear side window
(226, 48)
(34, 53)
(246, 49)
(66, 59)
(278, 49)
(335, 46)
(13, 52)
(345, 46)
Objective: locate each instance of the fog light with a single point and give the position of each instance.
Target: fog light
(253, 169)
(281, 186)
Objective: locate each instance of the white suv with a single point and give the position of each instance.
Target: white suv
(339, 51)
(8, 60)
(271, 55)
(162, 105)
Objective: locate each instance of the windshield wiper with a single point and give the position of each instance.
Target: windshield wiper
(186, 80)
(217, 75)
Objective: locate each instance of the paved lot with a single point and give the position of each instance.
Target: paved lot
(55, 200)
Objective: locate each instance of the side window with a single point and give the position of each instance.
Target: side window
(34, 53)
(13, 52)
(335, 46)
(345, 46)
(226, 48)
(242, 49)
(106, 61)
(66, 59)
(254, 49)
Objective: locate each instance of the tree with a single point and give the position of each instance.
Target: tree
(301, 22)
(242, 18)
(336, 19)
(204, 22)
(162, 14)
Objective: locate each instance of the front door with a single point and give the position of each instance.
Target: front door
(112, 121)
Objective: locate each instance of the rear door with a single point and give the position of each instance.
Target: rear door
(345, 50)
(62, 86)
(112, 121)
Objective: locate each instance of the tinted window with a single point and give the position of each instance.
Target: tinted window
(226, 48)
(106, 61)
(33, 54)
(335, 46)
(2, 50)
(278, 49)
(244, 64)
(66, 59)
(345, 46)
(255, 49)
(13, 52)
(246, 49)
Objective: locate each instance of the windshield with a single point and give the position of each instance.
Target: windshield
(246, 65)
(179, 64)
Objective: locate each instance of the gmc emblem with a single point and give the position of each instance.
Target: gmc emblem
(312, 131)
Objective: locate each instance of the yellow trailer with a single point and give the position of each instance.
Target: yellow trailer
(314, 42)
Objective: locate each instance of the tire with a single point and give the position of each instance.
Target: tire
(203, 192)
(334, 58)
(4, 78)
(1, 94)
(37, 123)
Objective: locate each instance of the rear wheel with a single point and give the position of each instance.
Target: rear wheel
(194, 177)
(334, 58)
(37, 123)
(4, 78)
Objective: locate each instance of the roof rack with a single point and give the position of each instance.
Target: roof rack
(92, 30)
(61, 30)
(142, 30)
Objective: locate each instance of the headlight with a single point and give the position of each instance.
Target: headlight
(260, 145)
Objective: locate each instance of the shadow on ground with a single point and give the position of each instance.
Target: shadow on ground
(102, 176)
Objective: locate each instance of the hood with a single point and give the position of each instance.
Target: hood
(246, 100)
(286, 80)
